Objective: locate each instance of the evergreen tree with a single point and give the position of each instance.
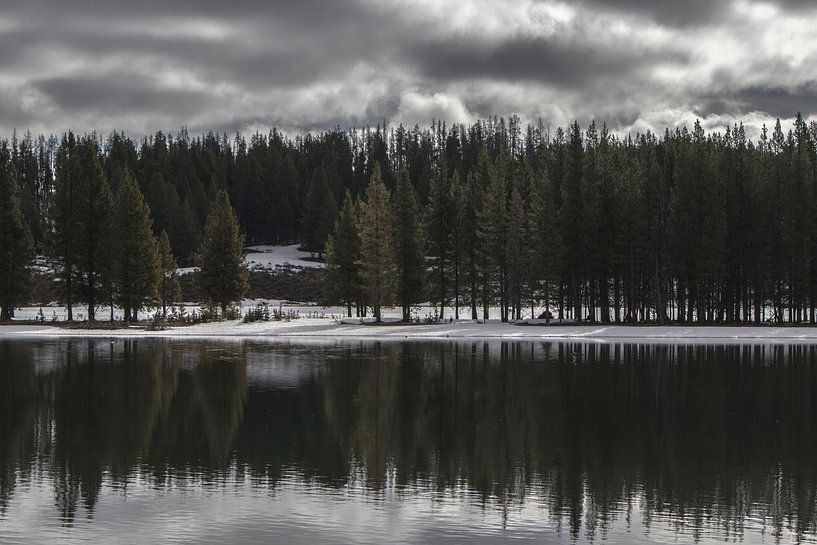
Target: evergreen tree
(408, 245)
(163, 201)
(343, 257)
(223, 276)
(515, 254)
(377, 245)
(64, 219)
(16, 243)
(459, 204)
(319, 215)
(439, 216)
(572, 217)
(493, 233)
(92, 213)
(136, 269)
(169, 287)
(473, 246)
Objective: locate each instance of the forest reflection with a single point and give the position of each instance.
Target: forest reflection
(705, 437)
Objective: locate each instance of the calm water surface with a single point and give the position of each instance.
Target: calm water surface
(151, 441)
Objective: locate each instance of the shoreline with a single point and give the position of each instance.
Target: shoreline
(325, 328)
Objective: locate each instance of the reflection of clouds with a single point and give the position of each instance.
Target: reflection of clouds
(266, 373)
(300, 513)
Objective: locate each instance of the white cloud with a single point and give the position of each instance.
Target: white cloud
(421, 108)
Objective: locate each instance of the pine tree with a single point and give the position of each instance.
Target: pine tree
(320, 211)
(64, 220)
(343, 256)
(545, 241)
(169, 287)
(92, 213)
(377, 245)
(493, 232)
(163, 201)
(479, 266)
(224, 275)
(515, 256)
(408, 245)
(572, 218)
(16, 243)
(459, 204)
(439, 215)
(136, 268)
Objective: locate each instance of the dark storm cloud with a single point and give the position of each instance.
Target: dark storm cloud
(315, 64)
(775, 100)
(543, 60)
(118, 93)
(312, 11)
(671, 12)
(684, 12)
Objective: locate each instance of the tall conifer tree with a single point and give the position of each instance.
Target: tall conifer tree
(377, 245)
(493, 233)
(320, 211)
(16, 243)
(408, 245)
(343, 257)
(439, 216)
(92, 213)
(169, 287)
(459, 203)
(223, 276)
(64, 221)
(136, 269)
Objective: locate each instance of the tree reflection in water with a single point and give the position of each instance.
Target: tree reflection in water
(705, 437)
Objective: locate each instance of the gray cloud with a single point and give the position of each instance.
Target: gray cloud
(673, 12)
(773, 99)
(312, 65)
(116, 93)
(559, 63)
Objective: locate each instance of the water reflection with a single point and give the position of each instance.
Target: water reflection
(694, 441)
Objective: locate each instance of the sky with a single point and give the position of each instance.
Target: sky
(311, 65)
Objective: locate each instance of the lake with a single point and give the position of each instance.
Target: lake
(161, 441)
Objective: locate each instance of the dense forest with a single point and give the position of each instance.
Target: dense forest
(687, 226)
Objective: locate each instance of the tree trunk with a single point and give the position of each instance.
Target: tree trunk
(474, 314)
(484, 299)
(456, 289)
(69, 299)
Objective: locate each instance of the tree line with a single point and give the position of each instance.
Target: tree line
(687, 226)
(101, 242)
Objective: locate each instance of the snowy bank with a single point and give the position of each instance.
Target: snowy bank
(330, 328)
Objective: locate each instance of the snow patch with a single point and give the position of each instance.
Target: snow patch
(270, 258)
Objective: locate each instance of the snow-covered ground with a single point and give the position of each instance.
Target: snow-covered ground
(55, 312)
(328, 327)
(321, 322)
(272, 258)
